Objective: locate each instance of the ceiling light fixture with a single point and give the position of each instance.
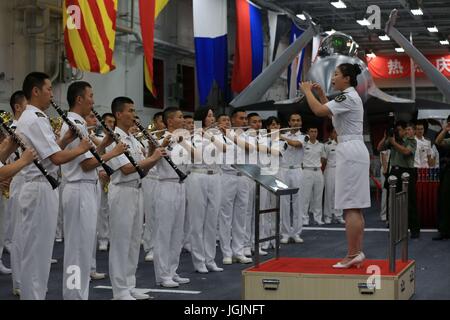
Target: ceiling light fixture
(338, 4)
(399, 49)
(363, 22)
(371, 55)
(417, 12)
(330, 32)
(301, 16)
(433, 29)
(384, 38)
(444, 42)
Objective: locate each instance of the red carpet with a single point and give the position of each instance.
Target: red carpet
(323, 266)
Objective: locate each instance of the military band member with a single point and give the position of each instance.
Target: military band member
(203, 195)
(38, 202)
(235, 194)
(126, 204)
(291, 173)
(312, 191)
(170, 205)
(18, 103)
(80, 197)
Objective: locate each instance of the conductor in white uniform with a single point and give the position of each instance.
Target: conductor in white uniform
(352, 157)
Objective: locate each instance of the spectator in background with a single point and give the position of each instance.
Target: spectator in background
(443, 141)
(423, 157)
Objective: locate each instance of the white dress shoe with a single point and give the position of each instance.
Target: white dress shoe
(320, 223)
(97, 275)
(242, 259)
(356, 261)
(214, 268)
(202, 270)
(139, 295)
(284, 240)
(327, 221)
(227, 260)
(297, 239)
(16, 292)
(4, 270)
(262, 252)
(341, 221)
(169, 284)
(247, 252)
(103, 245)
(149, 256)
(181, 280)
(53, 261)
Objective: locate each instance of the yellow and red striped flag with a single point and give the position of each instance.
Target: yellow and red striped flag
(149, 10)
(90, 33)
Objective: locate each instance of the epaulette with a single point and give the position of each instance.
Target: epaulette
(78, 121)
(340, 98)
(40, 114)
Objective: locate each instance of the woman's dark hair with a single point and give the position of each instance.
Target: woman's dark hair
(270, 120)
(352, 71)
(201, 113)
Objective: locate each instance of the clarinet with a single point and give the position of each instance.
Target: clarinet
(117, 140)
(73, 127)
(180, 174)
(54, 183)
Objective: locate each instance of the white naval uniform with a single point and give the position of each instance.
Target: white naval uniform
(203, 203)
(233, 206)
(352, 156)
(2, 224)
(149, 186)
(291, 173)
(38, 204)
(329, 210)
(17, 183)
(103, 210)
(126, 218)
(80, 206)
(312, 194)
(422, 152)
(170, 206)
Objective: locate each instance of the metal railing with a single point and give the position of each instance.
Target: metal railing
(398, 219)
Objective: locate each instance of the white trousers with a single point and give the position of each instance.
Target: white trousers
(103, 215)
(38, 204)
(80, 207)
(203, 206)
(149, 186)
(60, 223)
(292, 222)
(126, 220)
(232, 214)
(170, 205)
(312, 193)
(8, 221)
(329, 209)
(16, 245)
(2, 225)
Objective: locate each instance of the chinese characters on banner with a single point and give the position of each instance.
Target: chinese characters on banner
(391, 67)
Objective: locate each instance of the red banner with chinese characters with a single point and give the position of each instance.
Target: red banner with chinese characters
(394, 67)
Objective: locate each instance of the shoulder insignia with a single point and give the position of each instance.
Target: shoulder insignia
(340, 98)
(78, 121)
(329, 142)
(40, 114)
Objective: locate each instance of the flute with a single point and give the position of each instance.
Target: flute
(180, 174)
(53, 182)
(74, 128)
(117, 140)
